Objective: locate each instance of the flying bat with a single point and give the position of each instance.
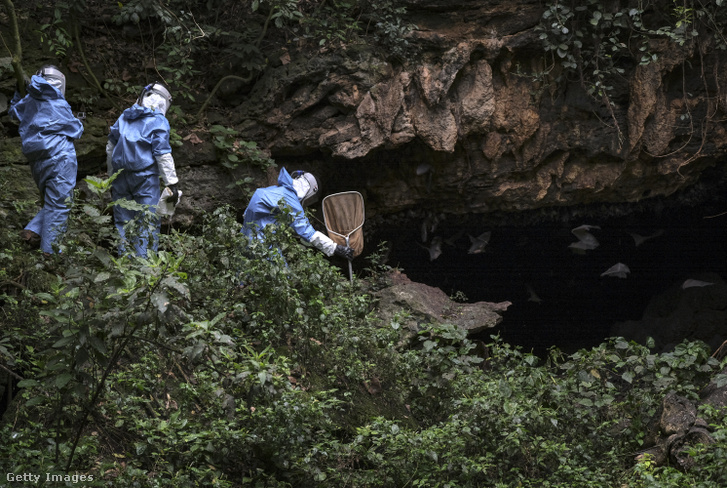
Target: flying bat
(586, 241)
(423, 168)
(533, 297)
(429, 224)
(435, 248)
(639, 239)
(690, 283)
(618, 270)
(479, 243)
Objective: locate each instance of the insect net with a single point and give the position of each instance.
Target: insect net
(344, 215)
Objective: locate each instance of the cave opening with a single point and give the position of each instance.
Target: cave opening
(559, 297)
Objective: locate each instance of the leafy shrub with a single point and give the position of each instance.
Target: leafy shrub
(166, 372)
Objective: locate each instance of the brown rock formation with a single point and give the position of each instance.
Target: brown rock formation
(477, 106)
(426, 305)
(500, 124)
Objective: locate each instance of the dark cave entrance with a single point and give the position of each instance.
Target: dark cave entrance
(528, 254)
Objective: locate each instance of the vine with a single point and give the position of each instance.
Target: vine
(596, 42)
(16, 53)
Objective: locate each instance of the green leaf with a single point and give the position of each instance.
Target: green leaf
(195, 350)
(160, 300)
(173, 282)
(34, 401)
(101, 277)
(117, 329)
(63, 379)
(98, 344)
(63, 342)
(27, 383)
(628, 376)
(91, 211)
(81, 355)
(505, 389)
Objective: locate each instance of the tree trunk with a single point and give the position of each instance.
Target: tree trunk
(16, 52)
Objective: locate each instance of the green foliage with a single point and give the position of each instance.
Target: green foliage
(197, 39)
(120, 88)
(334, 25)
(239, 157)
(597, 42)
(591, 40)
(281, 12)
(378, 270)
(180, 31)
(55, 35)
(390, 28)
(166, 372)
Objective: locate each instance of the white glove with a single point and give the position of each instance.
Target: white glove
(167, 170)
(324, 243)
(109, 151)
(165, 207)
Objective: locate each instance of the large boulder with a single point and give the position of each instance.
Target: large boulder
(675, 429)
(694, 309)
(416, 304)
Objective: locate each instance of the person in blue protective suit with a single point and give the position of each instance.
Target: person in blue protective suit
(47, 131)
(138, 146)
(295, 191)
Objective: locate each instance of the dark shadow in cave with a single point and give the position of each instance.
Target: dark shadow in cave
(577, 306)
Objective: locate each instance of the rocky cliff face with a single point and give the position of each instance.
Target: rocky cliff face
(477, 126)
(477, 121)
(478, 129)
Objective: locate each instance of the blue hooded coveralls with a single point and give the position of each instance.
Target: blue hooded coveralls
(47, 131)
(263, 208)
(139, 136)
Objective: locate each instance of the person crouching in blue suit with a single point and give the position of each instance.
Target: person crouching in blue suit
(47, 131)
(295, 191)
(138, 146)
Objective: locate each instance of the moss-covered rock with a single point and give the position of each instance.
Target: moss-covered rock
(10, 152)
(16, 184)
(91, 147)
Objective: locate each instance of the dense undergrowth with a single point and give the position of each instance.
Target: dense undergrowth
(166, 373)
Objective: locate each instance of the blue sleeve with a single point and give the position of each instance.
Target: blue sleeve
(13, 103)
(114, 133)
(54, 117)
(16, 98)
(72, 127)
(160, 138)
(300, 224)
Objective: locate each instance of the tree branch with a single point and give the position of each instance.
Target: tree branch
(17, 51)
(217, 86)
(246, 79)
(79, 47)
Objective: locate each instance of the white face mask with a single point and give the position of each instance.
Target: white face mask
(302, 187)
(57, 82)
(155, 102)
